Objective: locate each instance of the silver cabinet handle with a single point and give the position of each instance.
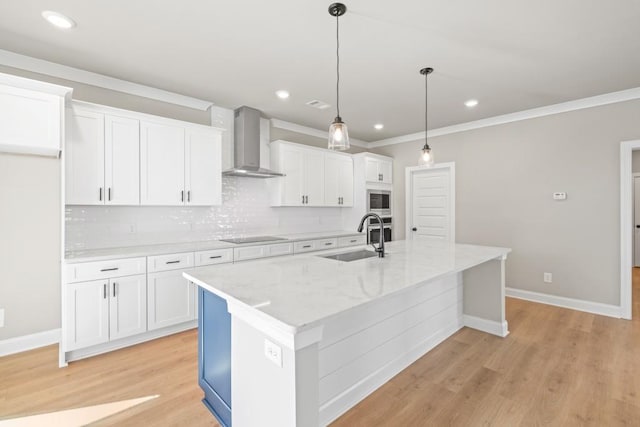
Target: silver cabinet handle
(109, 269)
(114, 289)
(109, 191)
(328, 244)
(189, 196)
(173, 262)
(182, 196)
(306, 246)
(104, 291)
(303, 200)
(100, 196)
(353, 241)
(306, 200)
(214, 257)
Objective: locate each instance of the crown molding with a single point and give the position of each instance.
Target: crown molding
(293, 127)
(53, 69)
(563, 107)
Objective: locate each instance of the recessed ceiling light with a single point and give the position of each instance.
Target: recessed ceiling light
(471, 103)
(58, 20)
(282, 94)
(378, 126)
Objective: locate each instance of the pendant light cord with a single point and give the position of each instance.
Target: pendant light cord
(426, 108)
(338, 64)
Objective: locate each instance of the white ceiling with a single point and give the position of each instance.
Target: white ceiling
(512, 55)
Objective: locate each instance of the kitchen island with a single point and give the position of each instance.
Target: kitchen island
(297, 341)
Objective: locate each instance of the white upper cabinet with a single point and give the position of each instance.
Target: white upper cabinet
(122, 161)
(102, 159)
(313, 176)
(338, 179)
(162, 150)
(31, 116)
(378, 170)
(304, 169)
(203, 172)
(84, 157)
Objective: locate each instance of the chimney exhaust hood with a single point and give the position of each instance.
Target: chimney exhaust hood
(246, 144)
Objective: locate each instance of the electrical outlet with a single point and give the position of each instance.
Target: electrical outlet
(273, 352)
(547, 277)
(1, 317)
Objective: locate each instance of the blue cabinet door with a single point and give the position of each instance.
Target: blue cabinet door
(214, 354)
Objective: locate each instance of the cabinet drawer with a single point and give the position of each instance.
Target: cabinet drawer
(215, 256)
(250, 252)
(169, 262)
(352, 241)
(85, 271)
(280, 249)
(306, 246)
(263, 251)
(314, 245)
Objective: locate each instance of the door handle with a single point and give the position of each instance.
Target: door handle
(104, 291)
(114, 289)
(303, 200)
(189, 196)
(414, 229)
(109, 191)
(182, 196)
(100, 196)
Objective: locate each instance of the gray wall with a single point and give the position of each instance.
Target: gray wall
(30, 212)
(505, 177)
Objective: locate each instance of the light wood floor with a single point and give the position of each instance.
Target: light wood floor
(557, 367)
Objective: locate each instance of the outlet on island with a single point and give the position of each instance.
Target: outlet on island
(273, 352)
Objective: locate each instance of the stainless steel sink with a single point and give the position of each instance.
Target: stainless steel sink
(351, 256)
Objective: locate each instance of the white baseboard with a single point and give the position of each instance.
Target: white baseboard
(29, 342)
(500, 329)
(330, 411)
(574, 304)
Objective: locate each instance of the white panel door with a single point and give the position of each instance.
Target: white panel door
(332, 177)
(203, 179)
(371, 170)
(636, 213)
(385, 168)
(128, 306)
(431, 200)
(161, 164)
(292, 165)
(314, 177)
(87, 314)
(84, 158)
(122, 161)
(346, 181)
(170, 299)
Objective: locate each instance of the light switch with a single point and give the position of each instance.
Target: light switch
(273, 352)
(560, 196)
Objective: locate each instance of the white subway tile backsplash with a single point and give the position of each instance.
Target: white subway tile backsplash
(245, 210)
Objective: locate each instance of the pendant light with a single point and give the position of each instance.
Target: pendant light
(426, 157)
(338, 134)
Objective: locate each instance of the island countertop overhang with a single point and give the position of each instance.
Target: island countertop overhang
(298, 293)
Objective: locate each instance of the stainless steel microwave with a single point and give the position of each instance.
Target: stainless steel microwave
(379, 202)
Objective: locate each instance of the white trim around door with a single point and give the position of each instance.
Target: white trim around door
(409, 171)
(626, 224)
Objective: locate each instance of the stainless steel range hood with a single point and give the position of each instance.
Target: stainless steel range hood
(247, 146)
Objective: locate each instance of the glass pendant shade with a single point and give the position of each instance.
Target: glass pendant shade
(338, 135)
(426, 157)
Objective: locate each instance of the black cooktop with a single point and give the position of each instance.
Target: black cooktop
(254, 239)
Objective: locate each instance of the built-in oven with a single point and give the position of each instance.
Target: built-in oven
(379, 202)
(373, 234)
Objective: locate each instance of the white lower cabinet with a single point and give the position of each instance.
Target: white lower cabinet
(170, 299)
(128, 306)
(102, 310)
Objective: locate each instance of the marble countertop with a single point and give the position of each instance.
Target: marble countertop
(170, 248)
(299, 292)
